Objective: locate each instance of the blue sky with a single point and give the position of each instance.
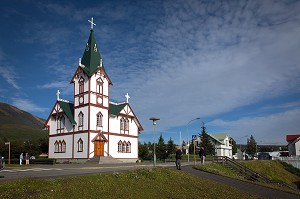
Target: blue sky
(234, 64)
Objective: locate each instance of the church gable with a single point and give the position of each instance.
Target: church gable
(124, 109)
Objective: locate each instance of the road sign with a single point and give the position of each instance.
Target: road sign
(194, 137)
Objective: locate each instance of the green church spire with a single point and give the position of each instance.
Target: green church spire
(91, 59)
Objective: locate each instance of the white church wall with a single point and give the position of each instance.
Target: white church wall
(84, 138)
(114, 124)
(113, 147)
(68, 141)
(93, 123)
(133, 129)
(84, 110)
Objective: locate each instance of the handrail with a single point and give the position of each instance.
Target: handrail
(253, 175)
(242, 168)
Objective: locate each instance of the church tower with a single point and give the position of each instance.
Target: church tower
(91, 96)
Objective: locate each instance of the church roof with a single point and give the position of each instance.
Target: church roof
(68, 109)
(116, 108)
(91, 59)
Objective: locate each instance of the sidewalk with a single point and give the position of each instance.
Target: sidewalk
(251, 188)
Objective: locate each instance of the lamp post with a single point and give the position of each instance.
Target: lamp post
(154, 119)
(8, 143)
(188, 144)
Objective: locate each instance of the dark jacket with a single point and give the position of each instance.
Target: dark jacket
(178, 154)
(202, 152)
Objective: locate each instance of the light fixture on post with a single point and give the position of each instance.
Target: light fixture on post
(188, 144)
(154, 119)
(8, 143)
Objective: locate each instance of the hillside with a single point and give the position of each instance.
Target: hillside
(16, 124)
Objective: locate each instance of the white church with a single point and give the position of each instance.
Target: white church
(92, 125)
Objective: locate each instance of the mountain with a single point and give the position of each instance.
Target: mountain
(16, 124)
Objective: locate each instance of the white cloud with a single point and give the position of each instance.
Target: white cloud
(10, 76)
(270, 129)
(213, 59)
(27, 105)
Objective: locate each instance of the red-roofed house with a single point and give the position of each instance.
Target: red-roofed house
(294, 144)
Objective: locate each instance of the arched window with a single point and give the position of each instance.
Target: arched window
(124, 147)
(59, 146)
(80, 145)
(120, 146)
(128, 147)
(60, 124)
(56, 147)
(63, 146)
(122, 124)
(81, 85)
(99, 119)
(99, 88)
(126, 124)
(80, 121)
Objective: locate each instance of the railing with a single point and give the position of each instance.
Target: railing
(248, 173)
(293, 160)
(241, 169)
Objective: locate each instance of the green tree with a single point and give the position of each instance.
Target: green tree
(234, 146)
(171, 147)
(161, 149)
(251, 146)
(206, 141)
(143, 151)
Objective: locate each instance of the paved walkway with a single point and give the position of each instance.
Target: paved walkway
(251, 188)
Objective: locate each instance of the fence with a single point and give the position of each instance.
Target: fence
(293, 160)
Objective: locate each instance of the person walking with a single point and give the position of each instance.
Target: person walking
(202, 155)
(21, 158)
(27, 158)
(178, 158)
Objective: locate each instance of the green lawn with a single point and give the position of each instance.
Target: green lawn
(141, 183)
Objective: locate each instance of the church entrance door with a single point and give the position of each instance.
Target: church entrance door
(99, 148)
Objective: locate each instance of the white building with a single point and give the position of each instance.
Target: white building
(222, 145)
(92, 125)
(294, 144)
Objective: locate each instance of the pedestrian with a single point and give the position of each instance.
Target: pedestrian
(21, 158)
(202, 155)
(178, 158)
(27, 158)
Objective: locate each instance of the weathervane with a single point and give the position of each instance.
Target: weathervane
(92, 23)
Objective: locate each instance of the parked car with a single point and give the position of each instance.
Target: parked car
(264, 156)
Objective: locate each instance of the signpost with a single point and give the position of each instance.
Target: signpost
(194, 137)
(8, 143)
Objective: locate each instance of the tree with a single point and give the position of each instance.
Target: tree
(206, 141)
(251, 146)
(234, 146)
(161, 149)
(171, 147)
(143, 150)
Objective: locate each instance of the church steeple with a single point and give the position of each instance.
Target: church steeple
(91, 59)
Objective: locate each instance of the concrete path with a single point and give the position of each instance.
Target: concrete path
(251, 188)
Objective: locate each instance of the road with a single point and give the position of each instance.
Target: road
(63, 170)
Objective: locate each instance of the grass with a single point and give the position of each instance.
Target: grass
(140, 183)
(274, 170)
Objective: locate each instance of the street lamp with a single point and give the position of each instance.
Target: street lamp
(154, 119)
(8, 143)
(188, 148)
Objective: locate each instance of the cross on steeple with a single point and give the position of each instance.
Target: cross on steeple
(127, 97)
(92, 23)
(57, 95)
